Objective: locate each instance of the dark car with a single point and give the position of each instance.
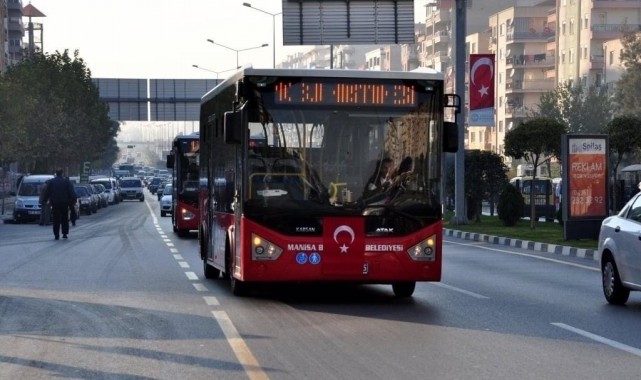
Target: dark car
(86, 200)
(154, 184)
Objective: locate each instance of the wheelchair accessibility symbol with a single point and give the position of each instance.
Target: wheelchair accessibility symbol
(301, 258)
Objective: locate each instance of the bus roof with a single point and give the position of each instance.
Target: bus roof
(425, 74)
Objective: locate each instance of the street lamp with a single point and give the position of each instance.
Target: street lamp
(237, 50)
(248, 5)
(213, 71)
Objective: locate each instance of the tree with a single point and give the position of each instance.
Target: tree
(55, 111)
(582, 110)
(624, 134)
(537, 141)
(485, 176)
(628, 87)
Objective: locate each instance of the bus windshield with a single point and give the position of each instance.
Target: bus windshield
(345, 161)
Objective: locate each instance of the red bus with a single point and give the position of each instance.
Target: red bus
(184, 160)
(292, 190)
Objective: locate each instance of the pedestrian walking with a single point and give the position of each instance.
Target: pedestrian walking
(60, 193)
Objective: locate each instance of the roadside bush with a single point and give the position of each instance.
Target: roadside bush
(510, 206)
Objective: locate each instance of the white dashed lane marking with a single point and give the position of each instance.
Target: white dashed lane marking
(244, 355)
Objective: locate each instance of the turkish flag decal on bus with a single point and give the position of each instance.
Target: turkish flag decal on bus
(344, 235)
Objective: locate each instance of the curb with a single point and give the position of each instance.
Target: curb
(582, 253)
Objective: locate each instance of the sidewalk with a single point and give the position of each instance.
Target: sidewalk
(582, 253)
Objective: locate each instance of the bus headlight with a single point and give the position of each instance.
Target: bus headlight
(424, 251)
(186, 214)
(263, 249)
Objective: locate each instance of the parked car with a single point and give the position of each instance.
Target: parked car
(27, 204)
(131, 188)
(111, 188)
(96, 193)
(166, 200)
(102, 193)
(86, 200)
(619, 247)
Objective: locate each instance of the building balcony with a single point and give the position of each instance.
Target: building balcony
(14, 6)
(529, 86)
(597, 62)
(616, 4)
(551, 15)
(531, 35)
(551, 45)
(515, 111)
(492, 44)
(550, 74)
(530, 60)
(612, 31)
(442, 37)
(442, 16)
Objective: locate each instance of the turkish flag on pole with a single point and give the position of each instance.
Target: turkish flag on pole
(481, 81)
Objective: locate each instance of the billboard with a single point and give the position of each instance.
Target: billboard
(585, 184)
(354, 22)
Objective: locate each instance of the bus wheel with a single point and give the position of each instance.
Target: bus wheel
(239, 288)
(210, 271)
(403, 289)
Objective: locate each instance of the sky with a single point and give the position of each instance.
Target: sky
(162, 39)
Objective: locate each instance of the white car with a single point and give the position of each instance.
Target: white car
(131, 188)
(620, 251)
(166, 200)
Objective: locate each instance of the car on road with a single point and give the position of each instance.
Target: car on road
(102, 194)
(111, 188)
(86, 200)
(153, 185)
(131, 188)
(620, 252)
(27, 203)
(166, 200)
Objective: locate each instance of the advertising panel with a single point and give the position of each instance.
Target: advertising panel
(587, 177)
(585, 198)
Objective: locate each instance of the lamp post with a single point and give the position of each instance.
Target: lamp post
(236, 50)
(213, 71)
(248, 5)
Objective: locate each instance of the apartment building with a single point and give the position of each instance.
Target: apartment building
(612, 64)
(14, 32)
(386, 58)
(525, 63)
(584, 27)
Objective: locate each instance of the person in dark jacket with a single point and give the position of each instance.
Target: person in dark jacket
(60, 193)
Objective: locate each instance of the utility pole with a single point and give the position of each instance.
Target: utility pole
(460, 214)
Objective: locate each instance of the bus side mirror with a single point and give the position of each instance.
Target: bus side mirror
(450, 137)
(170, 161)
(233, 131)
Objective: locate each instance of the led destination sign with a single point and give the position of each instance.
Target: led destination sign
(345, 94)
